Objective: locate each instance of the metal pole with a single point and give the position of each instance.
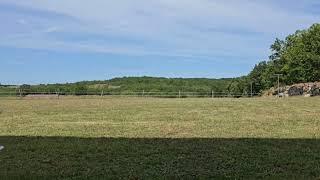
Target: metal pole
(278, 83)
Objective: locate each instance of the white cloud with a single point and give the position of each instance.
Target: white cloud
(253, 15)
(181, 27)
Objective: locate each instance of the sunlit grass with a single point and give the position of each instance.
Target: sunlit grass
(148, 117)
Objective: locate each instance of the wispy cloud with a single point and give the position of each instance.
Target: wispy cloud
(186, 28)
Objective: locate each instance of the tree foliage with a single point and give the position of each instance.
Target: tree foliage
(297, 58)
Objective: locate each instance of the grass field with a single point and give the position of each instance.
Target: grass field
(144, 138)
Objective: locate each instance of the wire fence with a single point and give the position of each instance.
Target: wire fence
(95, 94)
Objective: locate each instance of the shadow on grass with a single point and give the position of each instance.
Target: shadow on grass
(65, 157)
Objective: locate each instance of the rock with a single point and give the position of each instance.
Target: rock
(1, 147)
(295, 91)
(314, 90)
(306, 89)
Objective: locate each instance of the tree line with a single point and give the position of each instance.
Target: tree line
(127, 85)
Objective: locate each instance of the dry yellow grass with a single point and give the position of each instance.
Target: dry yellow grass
(149, 117)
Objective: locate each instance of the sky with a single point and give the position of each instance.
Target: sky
(47, 41)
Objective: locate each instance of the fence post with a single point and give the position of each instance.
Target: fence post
(212, 94)
(179, 94)
(20, 93)
(57, 93)
(102, 93)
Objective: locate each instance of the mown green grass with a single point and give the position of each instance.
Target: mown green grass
(160, 138)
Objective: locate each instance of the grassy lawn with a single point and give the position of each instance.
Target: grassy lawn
(148, 137)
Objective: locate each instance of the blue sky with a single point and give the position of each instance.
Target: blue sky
(46, 41)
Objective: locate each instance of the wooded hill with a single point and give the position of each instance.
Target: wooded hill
(127, 85)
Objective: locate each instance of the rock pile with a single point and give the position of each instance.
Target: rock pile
(302, 89)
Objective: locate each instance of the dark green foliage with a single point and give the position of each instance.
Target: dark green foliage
(150, 84)
(80, 89)
(239, 86)
(256, 76)
(302, 56)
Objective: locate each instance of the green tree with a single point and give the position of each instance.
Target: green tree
(297, 58)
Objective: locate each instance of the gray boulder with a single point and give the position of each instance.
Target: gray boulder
(295, 91)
